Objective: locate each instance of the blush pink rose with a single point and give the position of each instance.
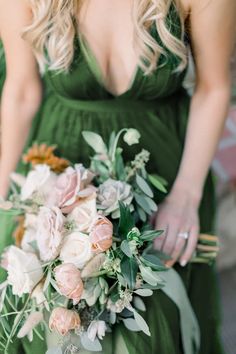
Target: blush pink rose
(63, 320)
(50, 227)
(69, 186)
(101, 234)
(69, 281)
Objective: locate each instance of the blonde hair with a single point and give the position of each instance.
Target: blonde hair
(53, 30)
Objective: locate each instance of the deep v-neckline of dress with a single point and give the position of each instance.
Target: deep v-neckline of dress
(97, 72)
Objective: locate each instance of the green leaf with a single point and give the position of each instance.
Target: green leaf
(150, 235)
(143, 185)
(141, 201)
(159, 254)
(150, 276)
(95, 141)
(112, 317)
(151, 203)
(131, 324)
(112, 142)
(141, 323)
(142, 214)
(153, 262)
(139, 304)
(126, 221)
(144, 292)
(152, 287)
(157, 182)
(129, 269)
(94, 346)
(119, 165)
(125, 248)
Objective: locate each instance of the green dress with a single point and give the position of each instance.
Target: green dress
(158, 106)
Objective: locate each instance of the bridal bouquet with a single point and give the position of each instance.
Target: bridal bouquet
(83, 258)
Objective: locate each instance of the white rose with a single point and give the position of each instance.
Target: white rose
(24, 270)
(84, 214)
(76, 249)
(41, 180)
(50, 227)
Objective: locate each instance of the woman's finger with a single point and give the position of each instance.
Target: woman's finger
(178, 249)
(170, 239)
(191, 246)
(158, 242)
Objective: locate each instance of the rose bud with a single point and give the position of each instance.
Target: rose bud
(69, 281)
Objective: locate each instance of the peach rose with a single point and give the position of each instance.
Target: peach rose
(69, 281)
(101, 234)
(63, 320)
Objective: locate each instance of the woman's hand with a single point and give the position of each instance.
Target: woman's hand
(178, 217)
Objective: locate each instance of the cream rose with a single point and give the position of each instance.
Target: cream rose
(49, 235)
(76, 249)
(84, 213)
(24, 270)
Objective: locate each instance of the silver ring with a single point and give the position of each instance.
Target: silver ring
(184, 235)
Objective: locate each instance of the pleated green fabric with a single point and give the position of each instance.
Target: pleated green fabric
(158, 106)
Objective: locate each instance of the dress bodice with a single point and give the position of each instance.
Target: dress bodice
(82, 81)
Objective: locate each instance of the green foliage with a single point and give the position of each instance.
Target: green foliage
(129, 269)
(126, 221)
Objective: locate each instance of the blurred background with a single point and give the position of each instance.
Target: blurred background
(224, 167)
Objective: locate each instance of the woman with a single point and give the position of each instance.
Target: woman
(121, 63)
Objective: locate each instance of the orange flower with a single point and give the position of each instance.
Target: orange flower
(19, 231)
(44, 154)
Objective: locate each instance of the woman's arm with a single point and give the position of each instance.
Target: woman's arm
(21, 94)
(212, 37)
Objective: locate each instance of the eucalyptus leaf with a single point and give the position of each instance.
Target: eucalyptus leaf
(126, 248)
(159, 254)
(151, 203)
(131, 324)
(129, 269)
(144, 292)
(141, 323)
(149, 275)
(141, 201)
(139, 304)
(93, 346)
(153, 262)
(143, 185)
(142, 214)
(112, 317)
(95, 141)
(150, 235)
(157, 182)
